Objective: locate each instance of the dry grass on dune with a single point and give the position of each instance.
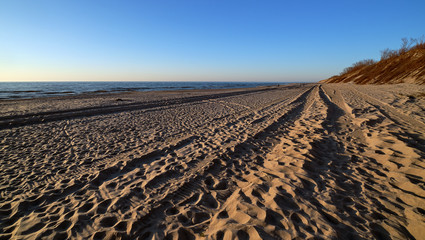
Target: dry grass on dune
(405, 65)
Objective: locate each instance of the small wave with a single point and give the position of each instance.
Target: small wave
(60, 93)
(28, 91)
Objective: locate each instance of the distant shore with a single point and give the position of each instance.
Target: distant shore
(331, 161)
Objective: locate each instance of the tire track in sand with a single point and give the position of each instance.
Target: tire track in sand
(80, 189)
(207, 197)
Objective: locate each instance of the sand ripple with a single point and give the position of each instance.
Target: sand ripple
(333, 161)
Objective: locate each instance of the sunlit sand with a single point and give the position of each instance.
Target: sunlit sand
(297, 161)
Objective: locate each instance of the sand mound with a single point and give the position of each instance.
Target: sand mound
(402, 66)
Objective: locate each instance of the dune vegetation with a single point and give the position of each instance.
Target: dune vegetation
(405, 65)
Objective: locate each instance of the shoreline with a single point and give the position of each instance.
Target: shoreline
(17, 90)
(36, 107)
(302, 160)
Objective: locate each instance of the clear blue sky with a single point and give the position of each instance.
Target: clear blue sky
(213, 40)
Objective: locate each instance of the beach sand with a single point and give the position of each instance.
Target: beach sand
(331, 161)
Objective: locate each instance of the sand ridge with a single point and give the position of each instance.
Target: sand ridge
(332, 161)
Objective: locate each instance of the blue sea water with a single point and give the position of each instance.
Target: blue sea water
(20, 90)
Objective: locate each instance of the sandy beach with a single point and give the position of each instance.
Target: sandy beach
(300, 161)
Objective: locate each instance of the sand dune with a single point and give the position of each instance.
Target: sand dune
(405, 65)
(333, 161)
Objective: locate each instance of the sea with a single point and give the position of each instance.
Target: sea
(25, 90)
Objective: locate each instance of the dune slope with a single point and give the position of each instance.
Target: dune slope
(404, 67)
